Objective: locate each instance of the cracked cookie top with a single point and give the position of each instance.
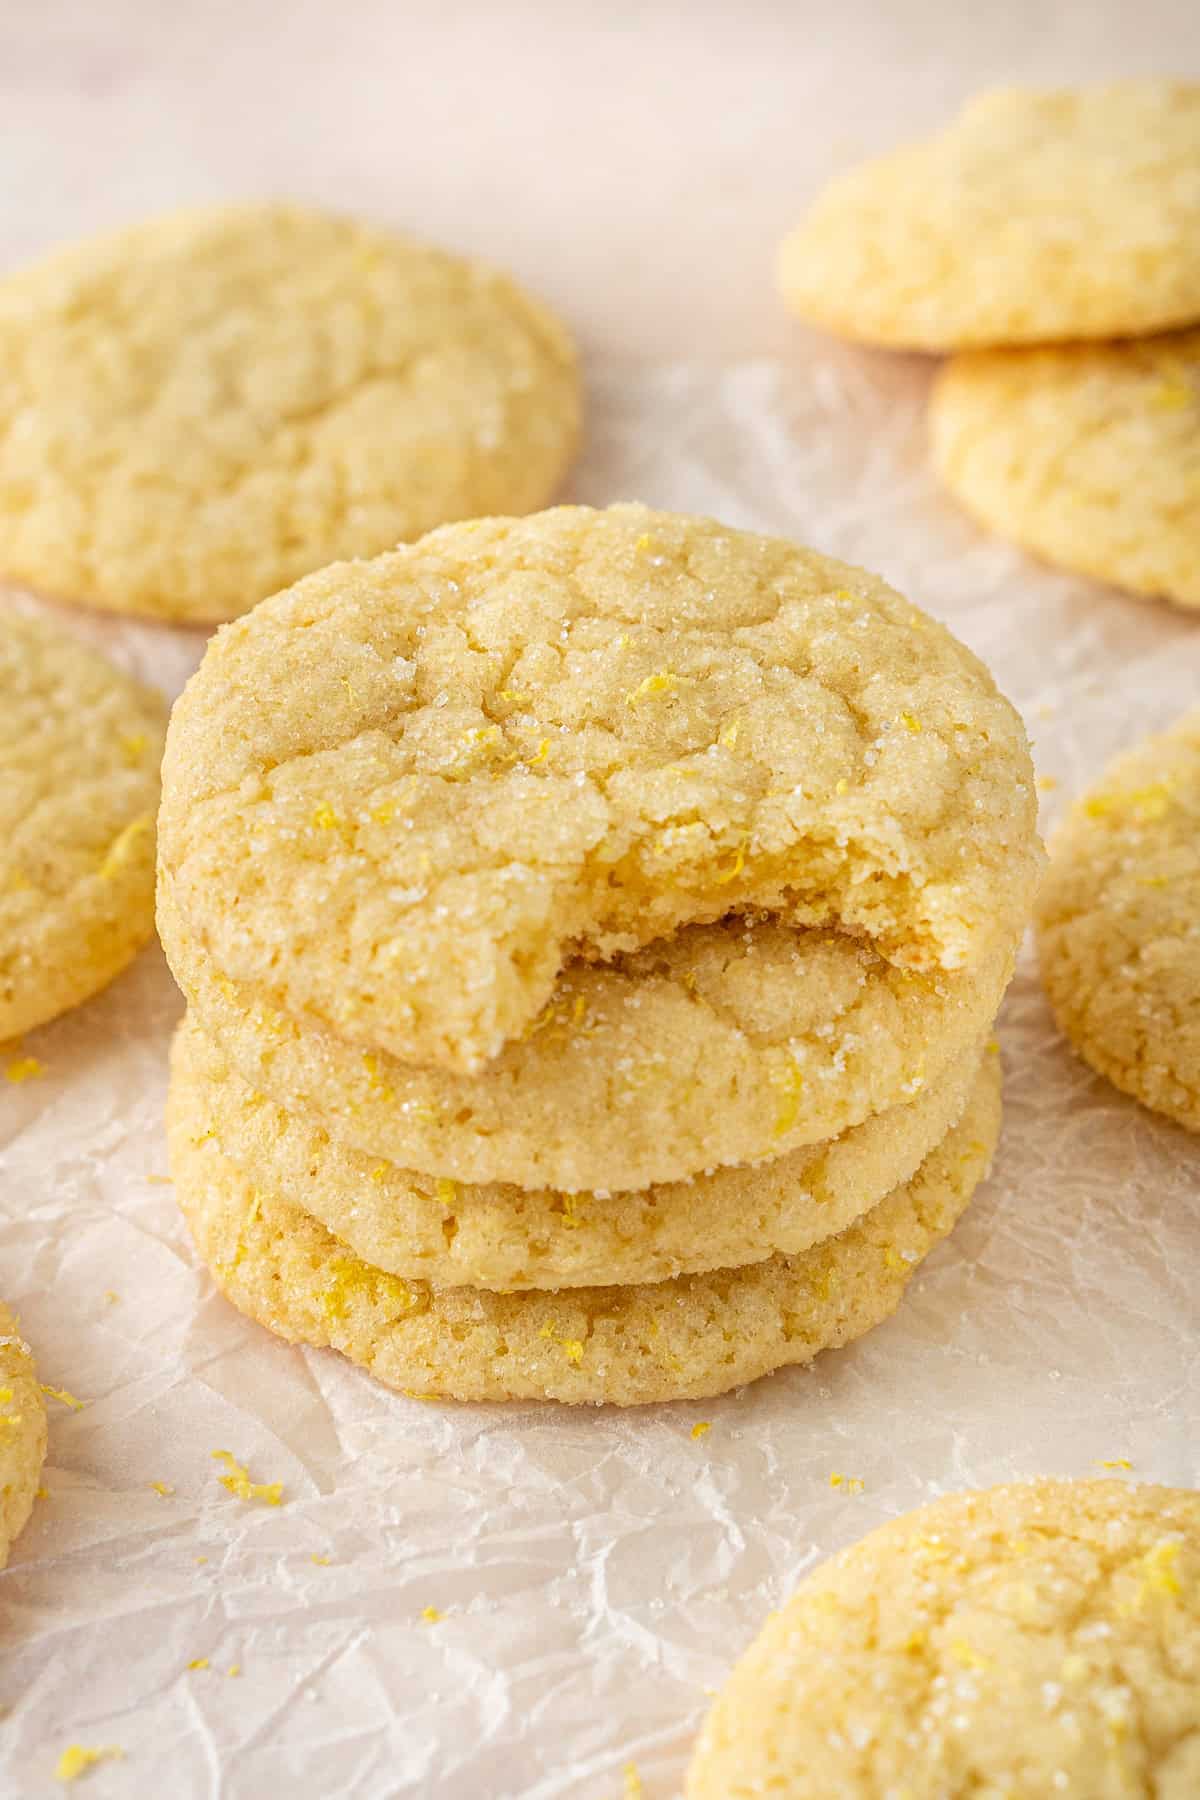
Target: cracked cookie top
(198, 410)
(401, 796)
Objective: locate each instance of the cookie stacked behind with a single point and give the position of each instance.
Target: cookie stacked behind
(1051, 240)
(591, 926)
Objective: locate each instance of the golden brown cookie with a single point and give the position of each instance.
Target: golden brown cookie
(1118, 923)
(1043, 445)
(400, 796)
(726, 1044)
(200, 409)
(508, 1238)
(1025, 1641)
(80, 744)
(682, 1339)
(1034, 217)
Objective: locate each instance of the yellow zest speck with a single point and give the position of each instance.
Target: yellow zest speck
(5, 1395)
(446, 1192)
(728, 734)
(1074, 1668)
(701, 1428)
(379, 1172)
(661, 683)
(1145, 804)
(121, 845)
(513, 697)
(962, 1653)
(77, 1759)
(646, 545)
(198, 1662)
(1170, 396)
(375, 1079)
(841, 786)
(111, 1297)
(909, 722)
(540, 755)
(572, 1347)
(893, 1259)
(24, 1068)
(234, 1669)
(788, 1083)
(853, 1484)
(201, 1559)
(993, 1046)
(42, 1493)
(572, 1216)
(322, 1562)
(734, 868)
(916, 1640)
(62, 1394)
(1159, 1570)
(133, 745)
(162, 1488)
(1152, 881)
(431, 1615)
(238, 1481)
(383, 815)
(324, 818)
(1047, 783)
(348, 1277)
(1115, 1462)
(633, 1782)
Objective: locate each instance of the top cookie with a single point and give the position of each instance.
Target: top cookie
(1035, 217)
(198, 410)
(1118, 923)
(80, 744)
(1025, 1641)
(397, 798)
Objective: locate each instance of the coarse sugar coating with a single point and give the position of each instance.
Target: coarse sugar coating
(22, 1432)
(1118, 923)
(400, 796)
(728, 1043)
(507, 1238)
(687, 1338)
(1037, 1639)
(1036, 216)
(80, 744)
(199, 409)
(1039, 445)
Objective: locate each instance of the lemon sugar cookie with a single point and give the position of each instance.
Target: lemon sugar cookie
(80, 744)
(728, 1043)
(1088, 455)
(22, 1432)
(1118, 923)
(399, 797)
(1024, 1641)
(503, 1237)
(1034, 217)
(199, 409)
(690, 1337)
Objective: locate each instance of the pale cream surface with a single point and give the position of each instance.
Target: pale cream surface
(596, 1574)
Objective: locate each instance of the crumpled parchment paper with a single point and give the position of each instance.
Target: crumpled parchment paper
(596, 1572)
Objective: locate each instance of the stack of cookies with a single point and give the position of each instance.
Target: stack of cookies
(1052, 240)
(592, 926)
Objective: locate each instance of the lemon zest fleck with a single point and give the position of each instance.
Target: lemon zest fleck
(728, 734)
(1115, 1462)
(62, 1394)
(633, 1782)
(24, 1068)
(969, 1658)
(121, 845)
(132, 743)
(431, 1615)
(238, 1481)
(735, 868)
(375, 1079)
(198, 1662)
(324, 818)
(161, 1488)
(1047, 783)
(77, 1759)
(542, 752)
(910, 722)
(234, 1669)
(701, 1428)
(788, 1083)
(322, 1562)
(1160, 1575)
(446, 1192)
(660, 683)
(853, 1484)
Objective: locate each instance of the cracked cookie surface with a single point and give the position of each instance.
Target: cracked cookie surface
(1024, 1640)
(399, 797)
(80, 744)
(198, 410)
(1034, 217)
(507, 1238)
(1118, 923)
(22, 1432)
(1039, 444)
(693, 1336)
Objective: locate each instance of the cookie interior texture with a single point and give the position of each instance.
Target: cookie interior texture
(1038, 445)
(430, 780)
(731, 1043)
(693, 1336)
(1024, 1640)
(80, 744)
(200, 409)
(1036, 216)
(1118, 923)
(507, 1238)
